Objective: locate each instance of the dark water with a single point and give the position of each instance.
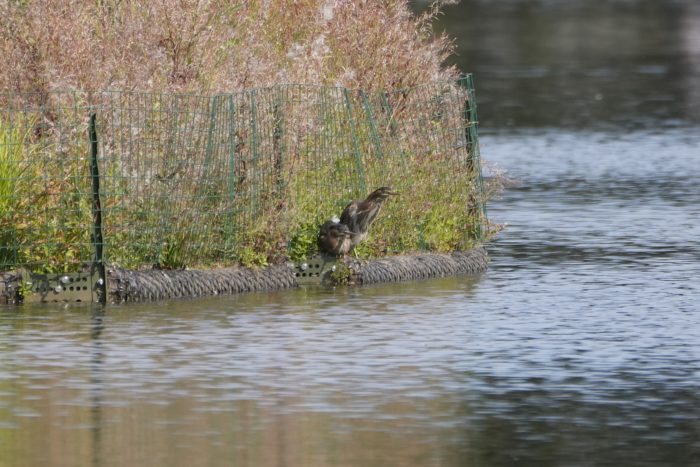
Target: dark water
(580, 64)
(579, 347)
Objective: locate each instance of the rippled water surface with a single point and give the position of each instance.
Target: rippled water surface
(579, 347)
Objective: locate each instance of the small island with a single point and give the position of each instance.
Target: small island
(194, 153)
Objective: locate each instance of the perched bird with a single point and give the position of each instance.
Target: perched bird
(334, 238)
(359, 215)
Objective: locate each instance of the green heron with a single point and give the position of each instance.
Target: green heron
(334, 238)
(359, 215)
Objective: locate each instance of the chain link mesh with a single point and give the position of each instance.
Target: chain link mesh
(201, 181)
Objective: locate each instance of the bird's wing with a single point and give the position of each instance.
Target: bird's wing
(365, 214)
(348, 215)
(365, 208)
(371, 212)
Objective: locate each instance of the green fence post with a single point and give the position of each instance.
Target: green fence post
(477, 208)
(97, 239)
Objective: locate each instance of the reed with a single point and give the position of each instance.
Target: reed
(211, 46)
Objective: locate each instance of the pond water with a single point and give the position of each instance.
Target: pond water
(579, 347)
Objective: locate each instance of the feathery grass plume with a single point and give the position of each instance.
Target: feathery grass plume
(217, 45)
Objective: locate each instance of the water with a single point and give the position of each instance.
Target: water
(579, 64)
(579, 347)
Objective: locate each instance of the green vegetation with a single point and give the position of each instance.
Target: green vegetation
(45, 212)
(216, 177)
(244, 178)
(11, 148)
(302, 241)
(341, 275)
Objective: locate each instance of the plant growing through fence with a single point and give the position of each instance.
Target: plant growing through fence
(245, 178)
(12, 161)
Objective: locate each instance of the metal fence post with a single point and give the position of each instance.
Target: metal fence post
(477, 207)
(97, 240)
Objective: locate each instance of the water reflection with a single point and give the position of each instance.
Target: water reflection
(580, 64)
(256, 379)
(690, 32)
(606, 199)
(550, 367)
(96, 383)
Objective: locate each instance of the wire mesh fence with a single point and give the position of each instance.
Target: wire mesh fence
(184, 180)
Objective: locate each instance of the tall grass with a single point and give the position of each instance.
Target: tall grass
(250, 176)
(11, 168)
(205, 158)
(209, 46)
(246, 177)
(45, 213)
(12, 138)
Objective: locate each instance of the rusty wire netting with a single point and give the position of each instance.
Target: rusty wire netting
(246, 178)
